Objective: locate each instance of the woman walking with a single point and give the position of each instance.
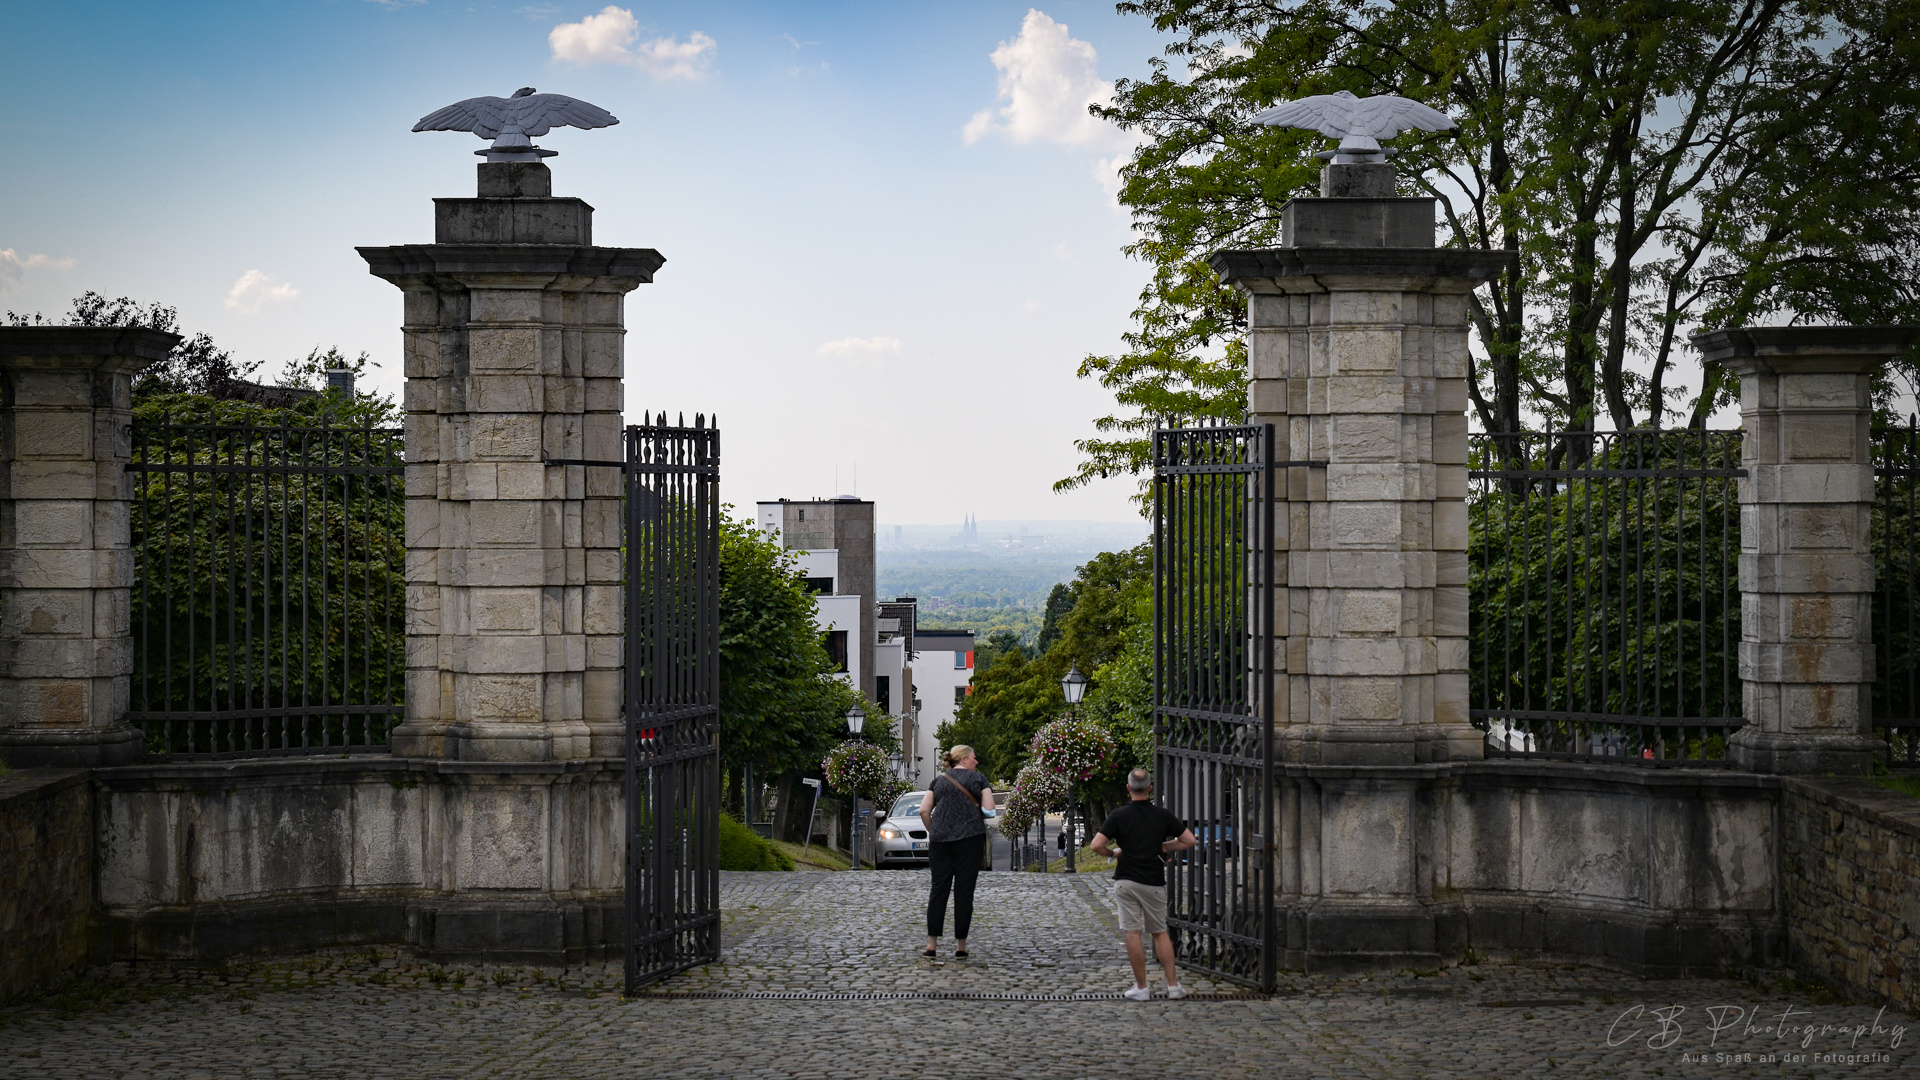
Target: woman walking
(957, 834)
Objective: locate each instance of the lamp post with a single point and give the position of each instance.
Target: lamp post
(1074, 686)
(856, 720)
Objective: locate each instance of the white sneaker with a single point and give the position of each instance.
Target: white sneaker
(1175, 991)
(1138, 993)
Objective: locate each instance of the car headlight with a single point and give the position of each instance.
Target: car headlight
(890, 834)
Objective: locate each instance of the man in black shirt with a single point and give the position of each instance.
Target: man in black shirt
(1147, 836)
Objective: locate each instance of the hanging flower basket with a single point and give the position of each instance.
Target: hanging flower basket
(1035, 791)
(1076, 750)
(861, 768)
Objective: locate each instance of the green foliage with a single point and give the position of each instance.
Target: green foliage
(1059, 603)
(1121, 696)
(996, 645)
(743, 849)
(781, 708)
(1652, 168)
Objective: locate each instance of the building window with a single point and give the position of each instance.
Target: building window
(817, 584)
(959, 660)
(836, 645)
(883, 692)
(959, 696)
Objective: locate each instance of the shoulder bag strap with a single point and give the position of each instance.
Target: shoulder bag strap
(963, 788)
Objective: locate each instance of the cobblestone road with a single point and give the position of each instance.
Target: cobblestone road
(378, 1013)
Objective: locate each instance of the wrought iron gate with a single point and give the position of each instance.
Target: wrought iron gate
(672, 698)
(1213, 687)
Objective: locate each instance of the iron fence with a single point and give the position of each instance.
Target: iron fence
(268, 590)
(1604, 596)
(1896, 561)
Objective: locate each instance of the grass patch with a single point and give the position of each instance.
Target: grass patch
(1904, 785)
(1084, 862)
(814, 858)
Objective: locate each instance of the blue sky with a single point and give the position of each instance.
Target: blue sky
(888, 228)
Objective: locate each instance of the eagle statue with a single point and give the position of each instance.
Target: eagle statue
(1359, 123)
(512, 122)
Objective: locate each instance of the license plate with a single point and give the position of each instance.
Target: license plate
(918, 846)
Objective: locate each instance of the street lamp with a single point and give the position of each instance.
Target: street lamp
(1073, 686)
(856, 720)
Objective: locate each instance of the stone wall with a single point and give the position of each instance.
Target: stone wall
(518, 862)
(46, 876)
(1850, 856)
(1659, 872)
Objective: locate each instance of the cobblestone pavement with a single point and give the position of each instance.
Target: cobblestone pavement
(377, 1013)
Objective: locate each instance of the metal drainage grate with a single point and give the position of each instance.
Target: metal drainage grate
(906, 995)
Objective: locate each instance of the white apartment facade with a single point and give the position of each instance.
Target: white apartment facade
(942, 678)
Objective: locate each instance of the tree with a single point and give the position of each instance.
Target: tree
(996, 645)
(1059, 602)
(1652, 165)
(781, 708)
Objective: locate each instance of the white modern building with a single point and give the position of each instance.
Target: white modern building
(942, 678)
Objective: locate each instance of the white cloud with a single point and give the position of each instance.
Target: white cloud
(859, 348)
(14, 267)
(611, 37)
(393, 5)
(255, 289)
(1047, 80)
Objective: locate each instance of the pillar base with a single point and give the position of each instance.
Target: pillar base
(72, 748)
(1804, 755)
(1335, 937)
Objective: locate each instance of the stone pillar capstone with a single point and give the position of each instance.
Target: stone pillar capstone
(66, 564)
(1806, 570)
(1357, 353)
(514, 356)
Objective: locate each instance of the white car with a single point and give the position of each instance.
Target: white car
(901, 840)
(902, 837)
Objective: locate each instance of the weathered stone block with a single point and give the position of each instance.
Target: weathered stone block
(1822, 438)
(54, 434)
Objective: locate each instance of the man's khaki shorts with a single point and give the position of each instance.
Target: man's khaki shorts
(1141, 907)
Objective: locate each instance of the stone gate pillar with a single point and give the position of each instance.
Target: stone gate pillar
(1357, 352)
(66, 567)
(1357, 346)
(1806, 570)
(514, 356)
